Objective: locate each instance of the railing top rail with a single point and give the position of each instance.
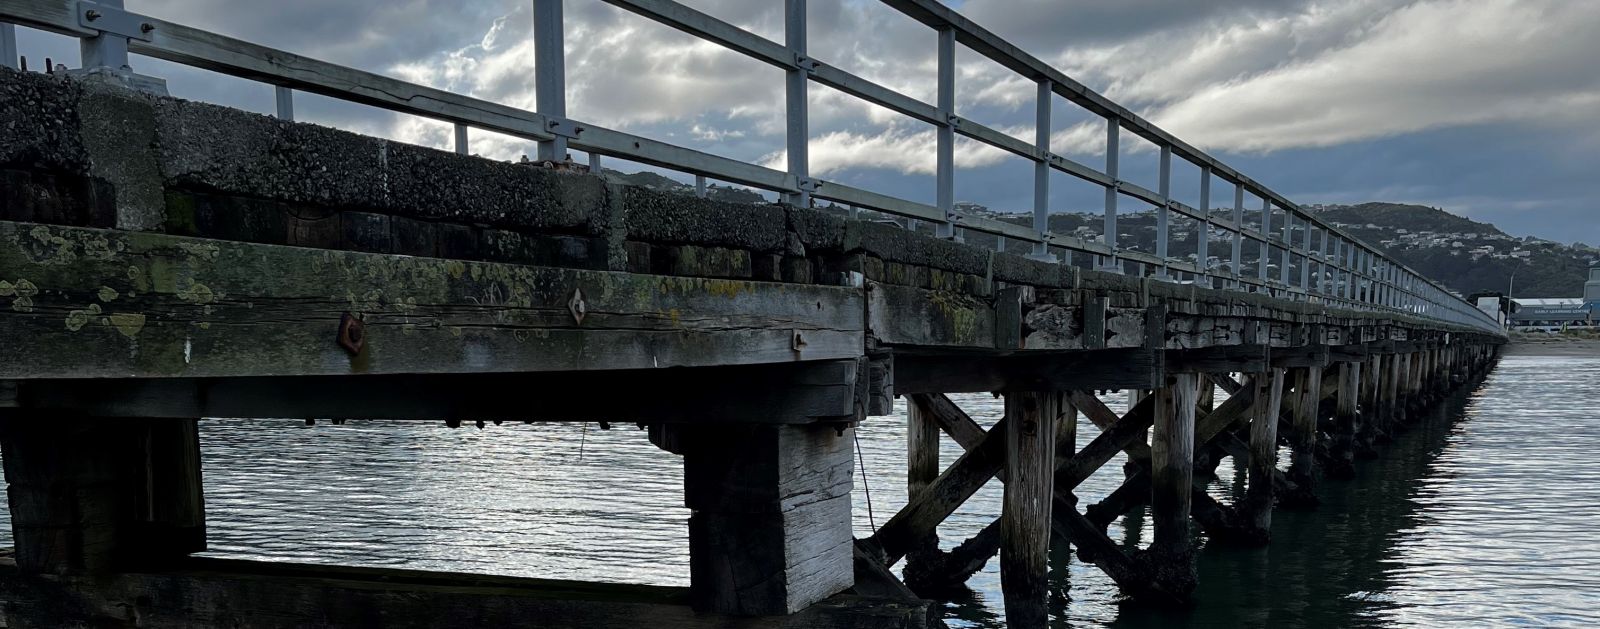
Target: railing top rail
(1349, 272)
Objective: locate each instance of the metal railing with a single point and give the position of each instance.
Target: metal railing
(1333, 267)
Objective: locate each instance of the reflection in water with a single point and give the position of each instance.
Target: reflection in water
(1486, 521)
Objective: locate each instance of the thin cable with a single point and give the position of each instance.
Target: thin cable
(582, 437)
(868, 489)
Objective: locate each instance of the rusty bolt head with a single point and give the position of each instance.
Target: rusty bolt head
(352, 334)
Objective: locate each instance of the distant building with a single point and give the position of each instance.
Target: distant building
(1591, 289)
(1551, 314)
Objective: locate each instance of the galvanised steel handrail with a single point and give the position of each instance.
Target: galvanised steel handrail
(1334, 267)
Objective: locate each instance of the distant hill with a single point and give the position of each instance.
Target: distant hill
(1466, 255)
(656, 181)
(1404, 216)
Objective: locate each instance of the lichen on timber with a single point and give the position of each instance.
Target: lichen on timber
(76, 319)
(129, 324)
(960, 312)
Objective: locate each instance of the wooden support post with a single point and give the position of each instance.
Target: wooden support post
(1208, 394)
(769, 532)
(922, 465)
(1172, 471)
(1025, 525)
(1263, 451)
(1391, 394)
(1303, 460)
(1346, 421)
(93, 497)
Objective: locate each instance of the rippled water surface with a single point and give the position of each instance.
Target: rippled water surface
(1487, 514)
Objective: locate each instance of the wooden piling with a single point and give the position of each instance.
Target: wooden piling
(1346, 421)
(769, 532)
(1025, 524)
(1308, 401)
(1172, 472)
(922, 466)
(92, 497)
(1263, 451)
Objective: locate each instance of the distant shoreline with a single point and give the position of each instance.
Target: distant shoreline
(1554, 346)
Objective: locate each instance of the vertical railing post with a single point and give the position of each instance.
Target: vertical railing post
(700, 186)
(1238, 234)
(1113, 127)
(461, 139)
(1325, 268)
(106, 50)
(1288, 246)
(1353, 275)
(1202, 252)
(1306, 261)
(594, 164)
(795, 104)
(1162, 213)
(1266, 239)
(550, 76)
(284, 98)
(8, 45)
(946, 141)
(1041, 170)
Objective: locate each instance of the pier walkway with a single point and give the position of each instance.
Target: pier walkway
(163, 261)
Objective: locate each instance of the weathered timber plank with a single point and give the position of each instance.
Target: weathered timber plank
(100, 303)
(206, 592)
(779, 394)
(978, 372)
(903, 315)
(1225, 358)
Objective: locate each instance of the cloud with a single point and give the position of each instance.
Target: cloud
(1423, 66)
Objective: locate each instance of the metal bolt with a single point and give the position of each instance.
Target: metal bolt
(146, 27)
(91, 15)
(577, 307)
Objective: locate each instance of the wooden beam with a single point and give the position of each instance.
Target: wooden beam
(1028, 370)
(119, 304)
(903, 315)
(1224, 358)
(209, 592)
(1025, 525)
(785, 394)
(955, 422)
(953, 487)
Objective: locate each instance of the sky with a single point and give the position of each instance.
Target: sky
(1485, 108)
